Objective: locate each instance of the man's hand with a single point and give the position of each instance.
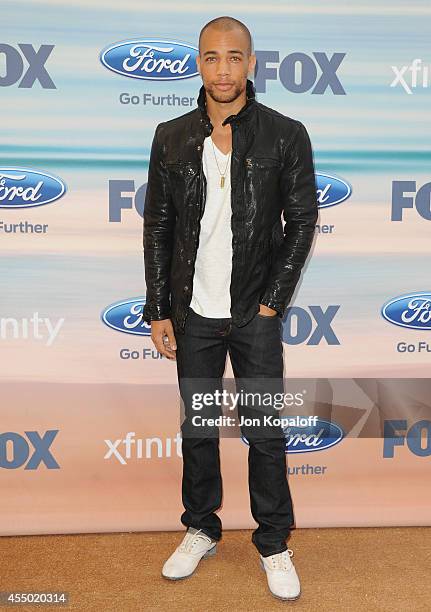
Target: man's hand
(266, 310)
(162, 335)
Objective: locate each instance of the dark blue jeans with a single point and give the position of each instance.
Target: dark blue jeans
(256, 354)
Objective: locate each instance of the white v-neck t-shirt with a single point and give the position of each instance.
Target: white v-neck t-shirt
(213, 265)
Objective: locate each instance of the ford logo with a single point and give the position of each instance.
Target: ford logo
(126, 316)
(310, 439)
(154, 60)
(331, 190)
(23, 188)
(412, 310)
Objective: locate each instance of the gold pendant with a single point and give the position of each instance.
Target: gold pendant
(222, 181)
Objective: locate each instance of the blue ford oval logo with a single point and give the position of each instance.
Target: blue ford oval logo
(331, 190)
(309, 439)
(23, 188)
(126, 316)
(412, 310)
(154, 60)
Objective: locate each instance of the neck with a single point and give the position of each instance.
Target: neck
(218, 111)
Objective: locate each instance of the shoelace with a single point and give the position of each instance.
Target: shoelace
(191, 539)
(282, 560)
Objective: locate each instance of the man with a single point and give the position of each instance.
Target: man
(220, 272)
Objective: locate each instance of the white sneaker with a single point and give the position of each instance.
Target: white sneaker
(282, 578)
(195, 546)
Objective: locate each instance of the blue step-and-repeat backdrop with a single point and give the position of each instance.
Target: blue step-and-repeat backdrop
(89, 436)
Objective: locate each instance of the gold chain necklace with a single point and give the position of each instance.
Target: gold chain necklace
(218, 168)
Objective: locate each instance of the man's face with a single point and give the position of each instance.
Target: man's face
(223, 64)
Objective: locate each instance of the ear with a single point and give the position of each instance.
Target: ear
(252, 64)
(198, 63)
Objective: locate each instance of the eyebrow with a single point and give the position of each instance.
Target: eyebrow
(229, 51)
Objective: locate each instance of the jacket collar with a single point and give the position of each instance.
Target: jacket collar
(244, 111)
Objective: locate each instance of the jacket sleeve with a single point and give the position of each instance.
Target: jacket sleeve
(159, 222)
(300, 212)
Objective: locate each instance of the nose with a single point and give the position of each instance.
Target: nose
(223, 67)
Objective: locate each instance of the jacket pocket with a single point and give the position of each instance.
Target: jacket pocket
(182, 168)
(262, 162)
(183, 177)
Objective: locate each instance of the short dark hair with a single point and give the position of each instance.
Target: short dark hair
(226, 23)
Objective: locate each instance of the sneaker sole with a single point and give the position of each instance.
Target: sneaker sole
(262, 567)
(210, 553)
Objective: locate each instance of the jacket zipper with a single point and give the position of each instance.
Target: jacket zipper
(202, 201)
(231, 225)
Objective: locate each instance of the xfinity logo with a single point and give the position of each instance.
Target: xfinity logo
(25, 65)
(126, 316)
(35, 328)
(412, 310)
(142, 448)
(411, 76)
(311, 327)
(23, 188)
(299, 72)
(331, 190)
(154, 60)
(17, 451)
(419, 199)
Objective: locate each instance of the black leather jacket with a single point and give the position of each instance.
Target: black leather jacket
(272, 173)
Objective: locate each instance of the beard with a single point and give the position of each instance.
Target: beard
(224, 96)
